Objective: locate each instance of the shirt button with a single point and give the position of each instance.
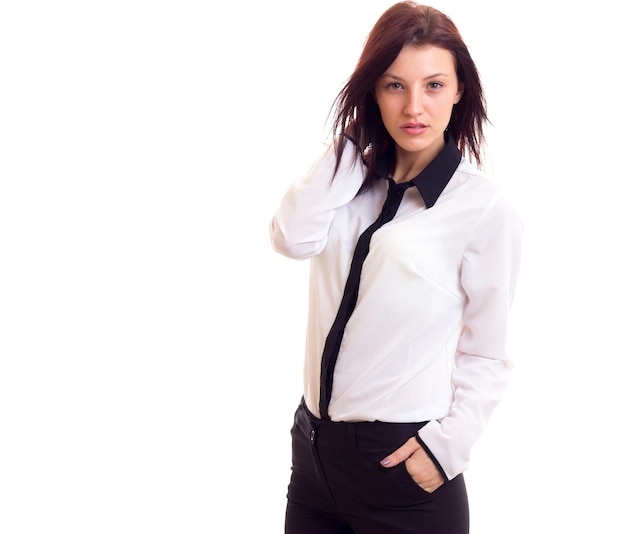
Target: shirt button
(312, 436)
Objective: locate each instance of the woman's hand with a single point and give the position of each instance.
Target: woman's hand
(418, 464)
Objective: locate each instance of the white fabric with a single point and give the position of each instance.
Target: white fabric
(426, 341)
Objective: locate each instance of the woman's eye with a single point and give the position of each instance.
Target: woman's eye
(394, 85)
(435, 85)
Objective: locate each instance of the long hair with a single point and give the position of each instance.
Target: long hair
(357, 115)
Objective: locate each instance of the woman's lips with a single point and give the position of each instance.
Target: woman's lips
(414, 128)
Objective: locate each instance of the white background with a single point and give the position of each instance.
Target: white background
(150, 339)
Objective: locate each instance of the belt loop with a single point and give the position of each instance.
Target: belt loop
(308, 421)
(352, 435)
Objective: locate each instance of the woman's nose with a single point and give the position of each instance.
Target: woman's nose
(413, 105)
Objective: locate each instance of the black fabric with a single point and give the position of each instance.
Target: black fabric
(430, 182)
(338, 486)
(433, 179)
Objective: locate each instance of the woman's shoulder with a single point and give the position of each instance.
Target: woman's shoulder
(468, 177)
(345, 155)
(479, 190)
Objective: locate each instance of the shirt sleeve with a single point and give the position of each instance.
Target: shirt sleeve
(300, 226)
(488, 275)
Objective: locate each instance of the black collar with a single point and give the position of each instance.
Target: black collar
(433, 179)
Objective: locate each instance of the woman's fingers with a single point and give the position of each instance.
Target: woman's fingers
(418, 464)
(401, 454)
(424, 471)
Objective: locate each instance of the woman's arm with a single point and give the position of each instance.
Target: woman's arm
(489, 273)
(299, 228)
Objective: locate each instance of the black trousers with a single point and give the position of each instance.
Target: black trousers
(339, 487)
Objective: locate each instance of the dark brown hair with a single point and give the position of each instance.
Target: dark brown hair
(356, 113)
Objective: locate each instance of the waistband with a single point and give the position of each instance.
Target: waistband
(359, 435)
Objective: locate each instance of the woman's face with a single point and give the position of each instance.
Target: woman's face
(415, 96)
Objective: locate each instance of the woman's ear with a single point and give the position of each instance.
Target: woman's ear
(459, 93)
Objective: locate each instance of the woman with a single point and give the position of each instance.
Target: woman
(414, 257)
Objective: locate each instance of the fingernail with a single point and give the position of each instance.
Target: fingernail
(385, 462)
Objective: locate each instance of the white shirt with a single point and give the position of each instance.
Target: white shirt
(426, 340)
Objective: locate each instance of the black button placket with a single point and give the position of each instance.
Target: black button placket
(395, 193)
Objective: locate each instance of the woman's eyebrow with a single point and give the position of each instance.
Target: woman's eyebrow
(436, 75)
